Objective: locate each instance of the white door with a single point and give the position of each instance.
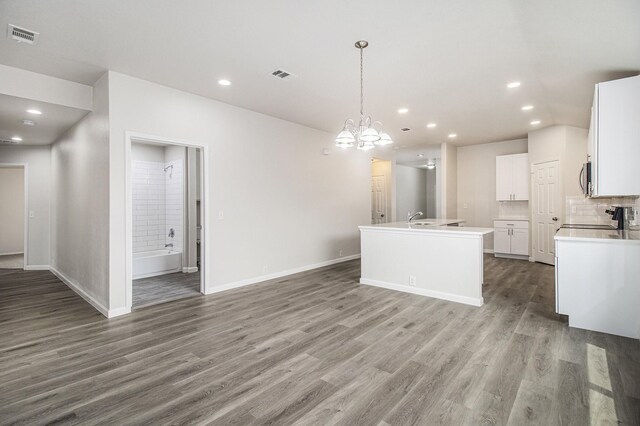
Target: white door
(501, 241)
(504, 177)
(547, 198)
(378, 200)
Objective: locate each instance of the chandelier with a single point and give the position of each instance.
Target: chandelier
(367, 134)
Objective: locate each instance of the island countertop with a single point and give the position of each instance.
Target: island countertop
(429, 226)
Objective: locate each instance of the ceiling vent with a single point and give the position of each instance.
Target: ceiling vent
(22, 35)
(405, 129)
(8, 142)
(283, 74)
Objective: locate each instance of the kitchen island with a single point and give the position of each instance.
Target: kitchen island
(426, 257)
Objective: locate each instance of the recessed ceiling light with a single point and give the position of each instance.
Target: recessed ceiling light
(224, 82)
(431, 125)
(513, 84)
(34, 111)
(16, 139)
(535, 122)
(420, 155)
(527, 107)
(403, 110)
(452, 135)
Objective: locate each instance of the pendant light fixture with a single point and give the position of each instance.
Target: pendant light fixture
(367, 134)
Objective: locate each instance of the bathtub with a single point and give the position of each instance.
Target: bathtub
(157, 262)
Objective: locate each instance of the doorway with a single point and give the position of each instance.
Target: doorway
(547, 209)
(166, 211)
(13, 212)
(380, 191)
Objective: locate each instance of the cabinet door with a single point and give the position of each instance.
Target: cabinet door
(521, 176)
(501, 241)
(618, 134)
(520, 241)
(504, 178)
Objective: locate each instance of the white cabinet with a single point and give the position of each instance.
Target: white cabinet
(614, 138)
(512, 177)
(511, 238)
(597, 284)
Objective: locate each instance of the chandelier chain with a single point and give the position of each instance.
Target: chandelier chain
(361, 85)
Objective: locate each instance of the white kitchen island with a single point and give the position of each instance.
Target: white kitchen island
(426, 257)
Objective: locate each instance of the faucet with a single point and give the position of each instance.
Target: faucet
(411, 216)
(168, 245)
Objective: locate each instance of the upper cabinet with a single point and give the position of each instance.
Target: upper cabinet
(512, 177)
(614, 138)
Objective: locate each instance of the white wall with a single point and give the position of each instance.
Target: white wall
(477, 203)
(449, 164)
(285, 204)
(432, 193)
(411, 191)
(80, 201)
(11, 210)
(38, 159)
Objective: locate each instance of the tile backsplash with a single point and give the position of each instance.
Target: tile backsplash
(583, 210)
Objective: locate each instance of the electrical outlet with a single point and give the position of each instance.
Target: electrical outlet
(265, 269)
(340, 253)
(220, 215)
(412, 280)
(465, 206)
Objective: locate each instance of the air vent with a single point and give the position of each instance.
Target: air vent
(283, 74)
(8, 142)
(22, 35)
(405, 129)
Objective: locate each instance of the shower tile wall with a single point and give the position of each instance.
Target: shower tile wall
(174, 200)
(148, 191)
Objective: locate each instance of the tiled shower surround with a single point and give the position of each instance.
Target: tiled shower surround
(157, 205)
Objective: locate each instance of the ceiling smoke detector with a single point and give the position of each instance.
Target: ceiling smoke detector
(22, 35)
(8, 142)
(283, 74)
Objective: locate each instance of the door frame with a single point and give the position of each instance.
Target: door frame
(532, 238)
(25, 171)
(205, 270)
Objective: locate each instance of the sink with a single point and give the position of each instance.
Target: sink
(424, 223)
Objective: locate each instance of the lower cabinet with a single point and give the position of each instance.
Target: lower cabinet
(511, 238)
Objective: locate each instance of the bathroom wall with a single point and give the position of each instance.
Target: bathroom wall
(148, 193)
(158, 196)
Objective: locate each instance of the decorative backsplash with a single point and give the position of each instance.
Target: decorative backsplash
(513, 208)
(583, 210)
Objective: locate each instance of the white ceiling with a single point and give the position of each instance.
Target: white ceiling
(53, 122)
(448, 61)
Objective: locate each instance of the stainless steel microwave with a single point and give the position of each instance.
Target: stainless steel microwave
(585, 179)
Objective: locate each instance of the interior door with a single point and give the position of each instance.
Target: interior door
(378, 199)
(546, 210)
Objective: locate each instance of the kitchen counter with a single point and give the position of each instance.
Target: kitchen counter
(436, 260)
(598, 235)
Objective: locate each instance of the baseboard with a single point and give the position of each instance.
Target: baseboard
(263, 278)
(424, 292)
(37, 268)
(11, 254)
(489, 251)
(93, 302)
(189, 269)
(512, 256)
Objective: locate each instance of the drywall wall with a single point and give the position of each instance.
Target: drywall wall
(411, 191)
(38, 161)
(147, 152)
(11, 210)
(80, 202)
(277, 203)
(574, 157)
(432, 193)
(449, 164)
(476, 179)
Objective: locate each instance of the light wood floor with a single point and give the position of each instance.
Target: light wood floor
(314, 348)
(165, 288)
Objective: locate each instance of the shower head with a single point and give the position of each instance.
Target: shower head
(169, 167)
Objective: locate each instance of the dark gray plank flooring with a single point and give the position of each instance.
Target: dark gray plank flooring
(313, 348)
(165, 288)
